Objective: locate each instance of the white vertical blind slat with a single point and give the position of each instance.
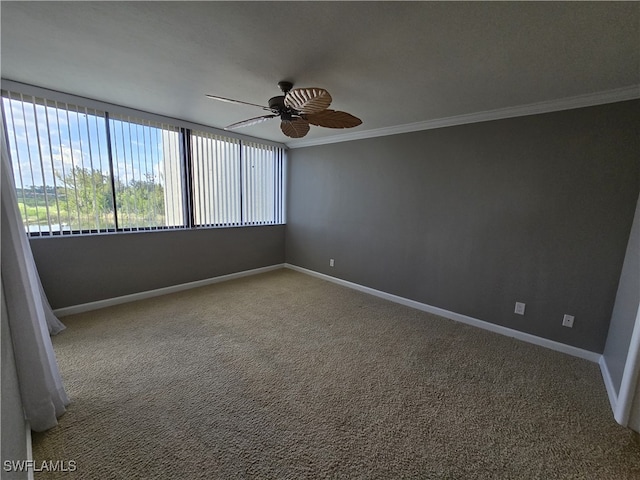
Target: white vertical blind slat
(19, 162)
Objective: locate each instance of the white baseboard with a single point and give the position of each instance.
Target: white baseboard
(509, 332)
(86, 307)
(608, 383)
(544, 342)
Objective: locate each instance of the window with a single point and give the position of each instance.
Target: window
(216, 180)
(60, 165)
(262, 169)
(147, 173)
(236, 183)
(80, 170)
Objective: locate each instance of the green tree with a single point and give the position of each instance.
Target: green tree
(85, 195)
(140, 203)
(86, 201)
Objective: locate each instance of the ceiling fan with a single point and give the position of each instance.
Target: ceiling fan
(297, 108)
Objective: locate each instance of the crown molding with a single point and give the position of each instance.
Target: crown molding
(609, 96)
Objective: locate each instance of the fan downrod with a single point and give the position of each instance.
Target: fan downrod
(285, 86)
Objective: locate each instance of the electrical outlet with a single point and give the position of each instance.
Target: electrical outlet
(567, 321)
(331, 262)
(520, 308)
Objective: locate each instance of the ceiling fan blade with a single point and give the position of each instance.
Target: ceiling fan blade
(333, 119)
(238, 102)
(308, 100)
(295, 128)
(249, 122)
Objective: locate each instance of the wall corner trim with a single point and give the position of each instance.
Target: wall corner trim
(526, 337)
(27, 426)
(608, 383)
(579, 101)
(87, 307)
(627, 392)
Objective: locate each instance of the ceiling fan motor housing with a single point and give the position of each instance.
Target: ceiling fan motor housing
(277, 103)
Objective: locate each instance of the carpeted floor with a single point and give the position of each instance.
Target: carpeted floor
(285, 376)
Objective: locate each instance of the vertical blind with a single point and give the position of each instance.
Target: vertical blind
(147, 172)
(60, 162)
(263, 178)
(83, 170)
(216, 180)
(236, 183)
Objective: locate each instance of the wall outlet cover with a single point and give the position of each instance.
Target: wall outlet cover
(519, 308)
(567, 321)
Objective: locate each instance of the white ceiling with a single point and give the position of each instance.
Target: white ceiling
(389, 63)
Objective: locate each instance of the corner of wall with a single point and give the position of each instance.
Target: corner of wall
(608, 383)
(619, 363)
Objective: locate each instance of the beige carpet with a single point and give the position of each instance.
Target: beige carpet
(284, 376)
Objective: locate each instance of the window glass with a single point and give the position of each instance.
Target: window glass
(60, 165)
(148, 174)
(82, 170)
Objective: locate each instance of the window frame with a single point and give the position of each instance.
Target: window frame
(185, 130)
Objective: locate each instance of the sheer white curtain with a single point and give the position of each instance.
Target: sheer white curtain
(31, 320)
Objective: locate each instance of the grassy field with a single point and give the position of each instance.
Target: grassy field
(34, 215)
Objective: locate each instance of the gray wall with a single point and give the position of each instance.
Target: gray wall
(473, 218)
(76, 270)
(625, 308)
(14, 433)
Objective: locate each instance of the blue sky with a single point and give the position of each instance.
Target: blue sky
(68, 138)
